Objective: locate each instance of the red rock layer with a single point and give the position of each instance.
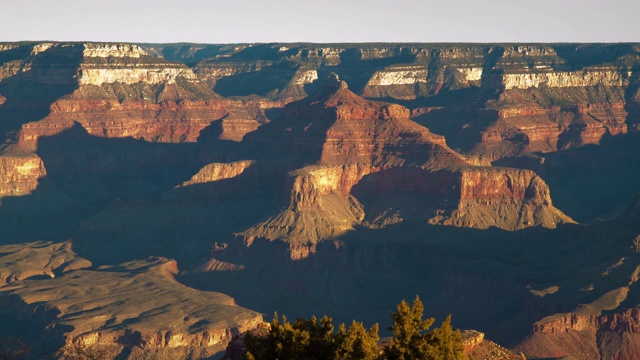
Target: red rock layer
(532, 129)
(168, 121)
(612, 336)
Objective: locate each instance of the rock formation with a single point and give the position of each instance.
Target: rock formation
(611, 336)
(477, 347)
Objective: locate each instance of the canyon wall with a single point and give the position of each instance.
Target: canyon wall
(611, 336)
(20, 175)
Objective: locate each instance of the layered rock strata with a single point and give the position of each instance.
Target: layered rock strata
(354, 139)
(611, 336)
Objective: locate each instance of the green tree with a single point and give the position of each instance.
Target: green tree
(316, 340)
(446, 343)
(312, 339)
(412, 341)
(284, 341)
(357, 343)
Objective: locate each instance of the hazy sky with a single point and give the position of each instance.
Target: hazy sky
(228, 21)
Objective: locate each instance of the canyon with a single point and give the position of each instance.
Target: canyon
(162, 199)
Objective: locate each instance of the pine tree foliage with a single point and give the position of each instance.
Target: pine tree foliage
(412, 341)
(358, 343)
(316, 340)
(312, 339)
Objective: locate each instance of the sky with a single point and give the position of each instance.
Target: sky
(242, 21)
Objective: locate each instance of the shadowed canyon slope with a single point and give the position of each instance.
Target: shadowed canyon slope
(145, 189)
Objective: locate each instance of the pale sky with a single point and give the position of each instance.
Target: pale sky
(233, 21)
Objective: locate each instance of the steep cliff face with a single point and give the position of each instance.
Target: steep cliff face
(591, 77)
(19, 175)
(126, 64)
(168, 121)
(506, 198)
(342, 128)
(113, 50)
(219, 171)
(397, 82)
(611, 336)
(470, 197)
(319, 207)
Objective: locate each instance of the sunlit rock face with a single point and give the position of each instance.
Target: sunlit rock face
(133, 76)
(112, 50)
(219, 171)
(127, 64)
(584, 78)
(306, 77)
(519, 198)
(585, 336)
(20, 175)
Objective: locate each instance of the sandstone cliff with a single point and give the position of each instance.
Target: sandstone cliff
(19, 175)
(507, 198)
(611, 336)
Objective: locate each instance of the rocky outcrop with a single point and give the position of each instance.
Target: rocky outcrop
(126, 64)
(471, 73)
(398, 82)
(477, 347)
(105, 50)
(154, 75)
(305, 77)
(471, 197)
(583, 78)
(38, 48)
(171, 121)
(219, 171)
(564, 323)
(610, 336)
(312, 215)
(168, 121)
(20, 174)
(506, 198)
